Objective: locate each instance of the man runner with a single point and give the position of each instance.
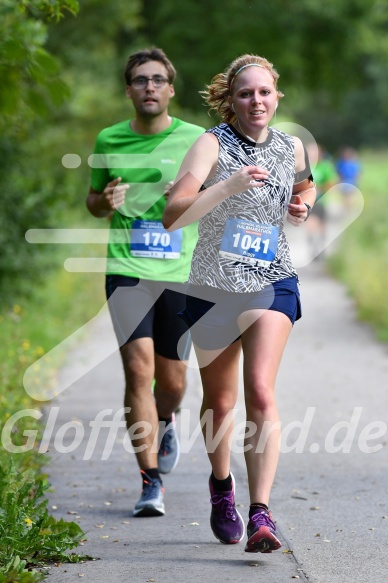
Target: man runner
(133, 164)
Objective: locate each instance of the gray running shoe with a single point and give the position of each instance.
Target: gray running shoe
(169, 449)
(151, 499)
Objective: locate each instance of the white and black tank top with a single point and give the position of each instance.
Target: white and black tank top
(265, 205)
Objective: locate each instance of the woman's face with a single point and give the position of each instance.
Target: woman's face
(254, 97)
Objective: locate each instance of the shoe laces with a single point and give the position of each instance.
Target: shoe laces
(151, 487)
(165, 444)
(225, 502)
(263, 518)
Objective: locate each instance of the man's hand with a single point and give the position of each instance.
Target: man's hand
(114, 194)
(167, 189)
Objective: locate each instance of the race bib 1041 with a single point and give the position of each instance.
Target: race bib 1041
(150, 239)
(247, 242)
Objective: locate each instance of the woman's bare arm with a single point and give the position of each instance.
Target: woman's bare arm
(186, 203)
(303, 192)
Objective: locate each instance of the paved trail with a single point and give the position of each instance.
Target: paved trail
(330, 497)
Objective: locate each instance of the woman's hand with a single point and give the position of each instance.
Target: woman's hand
(297, 211)
(246, 178)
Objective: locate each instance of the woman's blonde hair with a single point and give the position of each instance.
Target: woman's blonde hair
(217, 94)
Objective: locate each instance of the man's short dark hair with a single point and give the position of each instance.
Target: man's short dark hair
(146, 55)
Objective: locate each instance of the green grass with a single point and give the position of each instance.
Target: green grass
(361, 260)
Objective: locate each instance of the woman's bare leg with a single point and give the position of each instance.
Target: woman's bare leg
(220, 390)
(263, 345)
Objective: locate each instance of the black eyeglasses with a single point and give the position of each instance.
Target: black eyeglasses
(141, 82)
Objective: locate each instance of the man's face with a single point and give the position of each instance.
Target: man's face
(150, 101)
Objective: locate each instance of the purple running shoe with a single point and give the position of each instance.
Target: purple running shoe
(261, 534)
(225, 521)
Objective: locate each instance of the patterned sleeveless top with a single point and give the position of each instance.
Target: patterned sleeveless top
(265, 205)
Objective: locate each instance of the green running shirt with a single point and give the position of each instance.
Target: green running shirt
(147, 163)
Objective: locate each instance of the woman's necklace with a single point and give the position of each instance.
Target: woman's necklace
(246, 135)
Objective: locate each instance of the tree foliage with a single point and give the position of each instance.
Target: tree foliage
(62, 63)
(30, 80)
(31, 87)
(327, 55)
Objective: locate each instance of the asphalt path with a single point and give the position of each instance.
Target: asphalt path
(330, 497)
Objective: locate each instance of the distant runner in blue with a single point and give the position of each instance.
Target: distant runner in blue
(348, 169)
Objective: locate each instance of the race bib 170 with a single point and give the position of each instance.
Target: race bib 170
(150, 239)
